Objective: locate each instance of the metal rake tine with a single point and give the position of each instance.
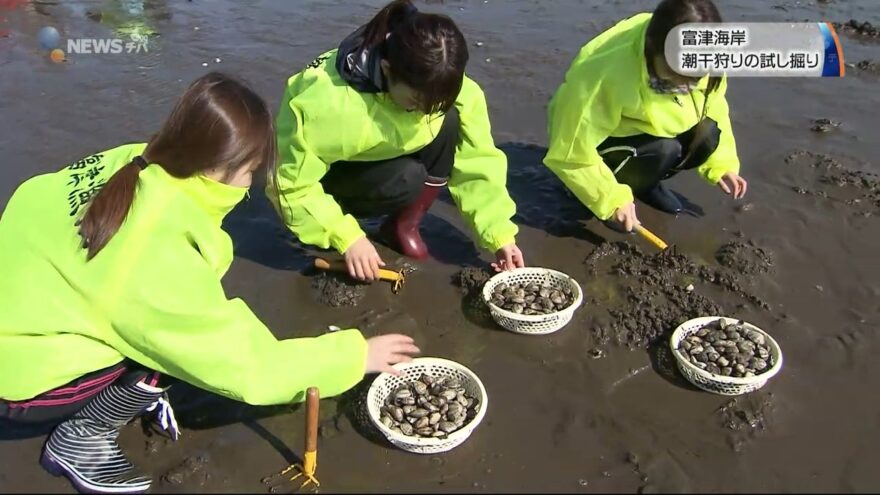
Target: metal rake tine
(278, 479)
(313, 480)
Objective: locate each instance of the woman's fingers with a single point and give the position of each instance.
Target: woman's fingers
(373, 264)
(403, 348)
(388, 369)
(744, 187)
(401, 358)
(359, 270)
(401, 338)
(351, 269)
(508, 260)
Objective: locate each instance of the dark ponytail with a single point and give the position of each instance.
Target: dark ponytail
(427, 52)
(108, 209)
(386, 20)
(218, 123)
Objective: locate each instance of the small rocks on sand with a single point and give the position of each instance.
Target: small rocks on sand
(825, 125)
(857, 28)
(652, 297)
(868, 66)
(337, 290)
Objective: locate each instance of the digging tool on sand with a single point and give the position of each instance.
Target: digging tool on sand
(397, 278)
(307, 469)
(653, 239)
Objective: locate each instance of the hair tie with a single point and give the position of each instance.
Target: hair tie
(410, 11)
(140, 162)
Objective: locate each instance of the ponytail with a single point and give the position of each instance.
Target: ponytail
(386, 20)
(219, 122)
(108, 209)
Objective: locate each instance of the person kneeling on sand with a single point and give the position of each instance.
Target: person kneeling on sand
(379, 126)
(623, 121)
(111, 276)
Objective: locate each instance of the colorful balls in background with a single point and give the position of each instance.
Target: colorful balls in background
(48, 37)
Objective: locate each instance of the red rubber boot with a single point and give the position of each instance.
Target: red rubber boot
(402, 228)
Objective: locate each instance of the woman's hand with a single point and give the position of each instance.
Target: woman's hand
(626, 216)
(509, 257)
(363, 260)
(734, 185)
(385, 351)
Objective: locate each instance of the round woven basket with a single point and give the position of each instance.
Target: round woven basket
(720, 384)
(386, 383)
(533, 324)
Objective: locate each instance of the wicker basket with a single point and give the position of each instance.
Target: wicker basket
(533, 324)
(386, 383)
(720, 384)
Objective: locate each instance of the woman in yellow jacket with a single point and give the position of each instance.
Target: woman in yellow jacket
(379, 126)
(623, 121)
(111, 274)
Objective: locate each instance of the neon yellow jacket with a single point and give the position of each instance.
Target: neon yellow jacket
(323, 120)
(153, 294)
(606, 93)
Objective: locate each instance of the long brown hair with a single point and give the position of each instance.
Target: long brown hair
(427, 52)
(219, 122)
(668, 15)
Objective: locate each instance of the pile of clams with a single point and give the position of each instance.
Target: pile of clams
(728, 349)
(429, 407)
(531, 298)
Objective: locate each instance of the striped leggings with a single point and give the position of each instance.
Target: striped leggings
(63, 402)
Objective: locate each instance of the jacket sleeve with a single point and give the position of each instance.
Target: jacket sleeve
(312, 214)
(583, 114)
(725, 158)
(196, 334)
(478, 183)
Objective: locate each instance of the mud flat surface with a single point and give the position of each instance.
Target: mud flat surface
(574, 411)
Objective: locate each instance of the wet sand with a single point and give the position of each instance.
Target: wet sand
(558, 419)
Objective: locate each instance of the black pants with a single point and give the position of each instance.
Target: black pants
(63, 402)
(383, 187)
(642, 161)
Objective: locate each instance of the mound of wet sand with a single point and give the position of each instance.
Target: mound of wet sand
(337, 289)
(745, 257)
(193, 470)
(657, 291)
(746, 417)
(860, 29)
(471, 281)
(832, 179)
(869, 66)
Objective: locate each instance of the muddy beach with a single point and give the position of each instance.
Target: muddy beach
(595, 407)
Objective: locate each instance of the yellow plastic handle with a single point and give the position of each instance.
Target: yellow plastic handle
(653, 239)
(338, 266)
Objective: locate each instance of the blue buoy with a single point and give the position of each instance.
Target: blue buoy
(49, 37)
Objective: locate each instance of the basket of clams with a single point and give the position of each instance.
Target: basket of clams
(532, 301)
(724, 355)
(433, 406)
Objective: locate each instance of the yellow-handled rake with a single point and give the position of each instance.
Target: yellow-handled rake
(307, 469)
(396, 278)
(653, 239)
